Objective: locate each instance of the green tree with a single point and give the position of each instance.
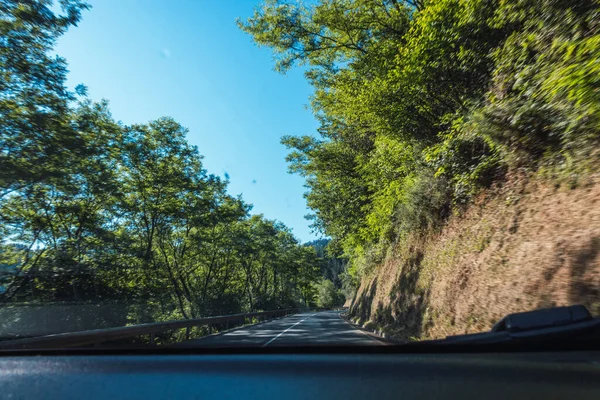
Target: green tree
(36, 140)
(327, 295)
(421, 104)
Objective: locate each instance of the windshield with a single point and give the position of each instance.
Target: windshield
(276, 172)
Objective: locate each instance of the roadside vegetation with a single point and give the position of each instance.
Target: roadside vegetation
(424, 108)
(450, 130)
(94, 211)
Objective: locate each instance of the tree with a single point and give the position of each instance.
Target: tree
(92, 210)
(36, 140)
(421, 104)
(328, 296)
(62, 224)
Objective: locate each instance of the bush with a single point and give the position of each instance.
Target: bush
(425, 204)
(465, 158)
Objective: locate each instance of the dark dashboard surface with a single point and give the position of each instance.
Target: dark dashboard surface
(302, 376)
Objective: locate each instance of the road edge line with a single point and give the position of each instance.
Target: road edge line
(371, 336)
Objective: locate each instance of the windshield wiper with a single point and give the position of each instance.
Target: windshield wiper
(550, 326)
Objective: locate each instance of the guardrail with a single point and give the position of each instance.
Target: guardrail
(83, 338)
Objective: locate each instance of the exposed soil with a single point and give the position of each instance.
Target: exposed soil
(530, 244)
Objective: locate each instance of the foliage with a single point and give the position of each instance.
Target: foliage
(328, 296)
(92, 210)
(36, 139)
(421, 104)
(544, 95)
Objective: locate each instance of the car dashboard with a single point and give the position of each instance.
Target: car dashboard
(297, 374)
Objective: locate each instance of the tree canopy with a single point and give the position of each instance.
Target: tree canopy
(92, 210)
(423, 103)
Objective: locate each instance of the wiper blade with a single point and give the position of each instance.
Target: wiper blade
(546, 325)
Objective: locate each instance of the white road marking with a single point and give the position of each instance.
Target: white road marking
(272, 340)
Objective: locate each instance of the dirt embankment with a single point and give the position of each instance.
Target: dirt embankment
(530, 244)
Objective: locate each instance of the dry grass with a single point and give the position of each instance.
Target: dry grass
(531, 244)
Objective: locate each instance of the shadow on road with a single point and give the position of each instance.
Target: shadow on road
(307, 329)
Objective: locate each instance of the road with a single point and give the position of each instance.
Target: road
(304, 329)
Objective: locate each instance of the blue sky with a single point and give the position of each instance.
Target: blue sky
(187, 59)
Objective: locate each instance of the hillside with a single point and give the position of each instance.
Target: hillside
(532, 243)
(453, 167)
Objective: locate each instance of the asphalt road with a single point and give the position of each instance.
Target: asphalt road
(305, 329)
